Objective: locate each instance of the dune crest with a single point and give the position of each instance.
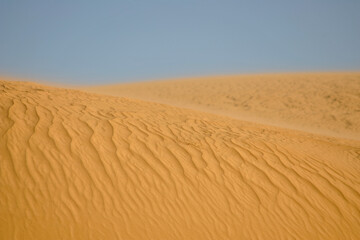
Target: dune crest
(77, 165)
(323, 103)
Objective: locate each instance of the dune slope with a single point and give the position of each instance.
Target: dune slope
(325, 103)
(77, 165)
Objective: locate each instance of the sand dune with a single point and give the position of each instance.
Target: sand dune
(325, 103)
(77, 165)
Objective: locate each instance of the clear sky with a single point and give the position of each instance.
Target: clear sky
(109, 41)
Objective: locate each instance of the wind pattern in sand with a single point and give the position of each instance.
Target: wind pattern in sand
(78, 165)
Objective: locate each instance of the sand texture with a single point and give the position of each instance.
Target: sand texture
(324, 103)
(79, 165)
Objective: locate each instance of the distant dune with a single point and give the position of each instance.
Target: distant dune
(176, 160)
(325, 103)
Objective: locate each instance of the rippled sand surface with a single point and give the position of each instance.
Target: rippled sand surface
(323, 103)
(80, 165)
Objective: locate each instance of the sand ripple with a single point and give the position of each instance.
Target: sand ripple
(77, 165)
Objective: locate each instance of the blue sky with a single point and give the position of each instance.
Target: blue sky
(113, 41)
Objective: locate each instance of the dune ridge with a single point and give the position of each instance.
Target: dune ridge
(77, 165)
(322, 103)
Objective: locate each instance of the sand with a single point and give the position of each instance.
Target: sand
(178, 160)
(324, 103)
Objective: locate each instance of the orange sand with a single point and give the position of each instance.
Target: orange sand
(77, 165)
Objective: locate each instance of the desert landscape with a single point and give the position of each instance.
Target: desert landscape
(262, 156)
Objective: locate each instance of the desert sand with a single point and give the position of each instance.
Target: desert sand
(236, 157)
(324, 103)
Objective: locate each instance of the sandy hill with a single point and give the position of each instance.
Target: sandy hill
(325, 103)
(77, 165)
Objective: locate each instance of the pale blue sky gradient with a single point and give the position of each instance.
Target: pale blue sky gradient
(111, 41)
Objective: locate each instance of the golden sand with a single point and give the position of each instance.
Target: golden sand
(324, 103)
(180, 162)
